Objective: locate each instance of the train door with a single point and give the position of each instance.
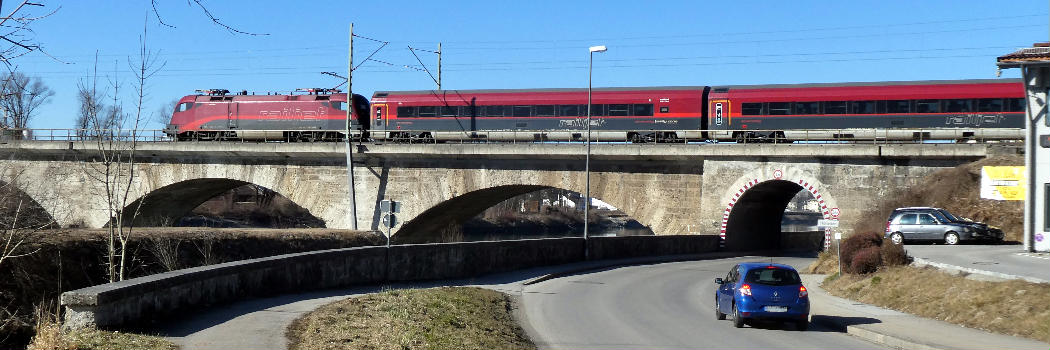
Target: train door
(380, 116)
(232, 110)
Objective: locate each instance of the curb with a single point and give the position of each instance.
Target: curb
(920, 262)
(876, 337)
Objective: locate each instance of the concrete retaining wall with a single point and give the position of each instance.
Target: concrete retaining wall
(157, 296)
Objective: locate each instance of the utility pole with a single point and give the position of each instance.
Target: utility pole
(439, 66)
(349, 117)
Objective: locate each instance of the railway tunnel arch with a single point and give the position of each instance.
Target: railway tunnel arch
(756, 205)
(166, 205)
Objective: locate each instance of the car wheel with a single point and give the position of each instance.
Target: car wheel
(897, 238)
(802, 325)
(951, 238)
(738, 321)
(718, 313)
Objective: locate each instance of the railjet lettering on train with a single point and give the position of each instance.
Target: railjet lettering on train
(974, 119)
(580, 123)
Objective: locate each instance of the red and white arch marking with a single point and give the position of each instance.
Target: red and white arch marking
(828, 213)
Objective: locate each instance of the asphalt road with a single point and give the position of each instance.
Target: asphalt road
(1008, 259)
(660, 306)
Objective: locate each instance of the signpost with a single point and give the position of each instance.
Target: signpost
(389, 208)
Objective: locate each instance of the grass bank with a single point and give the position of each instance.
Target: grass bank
(1016, 308)
(435, 318)
(50, 336)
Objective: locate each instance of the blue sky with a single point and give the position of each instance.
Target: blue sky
(523, 44)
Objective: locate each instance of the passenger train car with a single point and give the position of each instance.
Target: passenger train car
(913, 110)
(314, 115)
(618, 114)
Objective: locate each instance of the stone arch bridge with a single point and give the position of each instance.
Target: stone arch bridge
(736, 190)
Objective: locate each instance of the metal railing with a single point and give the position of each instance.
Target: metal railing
(824, 136)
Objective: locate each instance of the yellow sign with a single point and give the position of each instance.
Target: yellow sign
(1005, 183)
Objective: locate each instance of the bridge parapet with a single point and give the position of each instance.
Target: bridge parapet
(156, 296)
(307, 152)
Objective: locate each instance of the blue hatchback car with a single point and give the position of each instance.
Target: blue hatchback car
(764, 291)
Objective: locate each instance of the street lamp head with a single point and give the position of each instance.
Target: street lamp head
(600, 48)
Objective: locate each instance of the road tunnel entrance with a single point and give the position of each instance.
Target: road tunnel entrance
(774, 214)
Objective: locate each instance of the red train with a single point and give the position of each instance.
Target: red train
(952, 110)
(314, 115)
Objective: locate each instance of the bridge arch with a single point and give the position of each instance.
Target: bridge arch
(164, 205)
(431, 223)
(755, 206)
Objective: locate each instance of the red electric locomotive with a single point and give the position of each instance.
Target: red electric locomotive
(317, 114)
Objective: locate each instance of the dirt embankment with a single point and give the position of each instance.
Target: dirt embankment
(957, 190)
(72, 259)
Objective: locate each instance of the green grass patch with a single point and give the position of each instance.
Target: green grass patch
(435, 318)
(1015, 307)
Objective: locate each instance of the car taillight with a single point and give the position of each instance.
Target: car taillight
(887, 227)
(802, 292)
(745, 290)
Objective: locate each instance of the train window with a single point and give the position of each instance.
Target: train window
(491, 111)
(643, 110)
(862, 107)
(807, 107)
(834, 107)
(990, 105)
(1017, 105)
(597, 110)
(449, 111)
(958, 105)
(340, 105)
(406, 112)
(569, 110)
(665, 109)
(185, 106)
(427, 111)
(751, 108)
(898, 106)
(545, 110)
(619, 110)
(522, 111)
(466, 111)
(779, 108)
(927, 106)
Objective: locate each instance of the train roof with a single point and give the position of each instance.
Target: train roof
(873, 83)
(718, 87)
(503, 91)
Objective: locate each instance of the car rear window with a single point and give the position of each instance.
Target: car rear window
(773, 276)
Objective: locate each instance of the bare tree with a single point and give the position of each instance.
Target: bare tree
(16, 32)
(204, 9)
(20, 96)
(115, 166)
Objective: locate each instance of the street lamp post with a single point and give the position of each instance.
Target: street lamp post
(587, 161)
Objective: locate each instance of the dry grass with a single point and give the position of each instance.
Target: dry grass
(1015, 308)
(436, 318)
(827, 263)
(957, 190)
(50, 336)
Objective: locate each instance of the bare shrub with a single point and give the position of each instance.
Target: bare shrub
(165, 250)
(894, 254)
(866, 260)
(854, 244)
